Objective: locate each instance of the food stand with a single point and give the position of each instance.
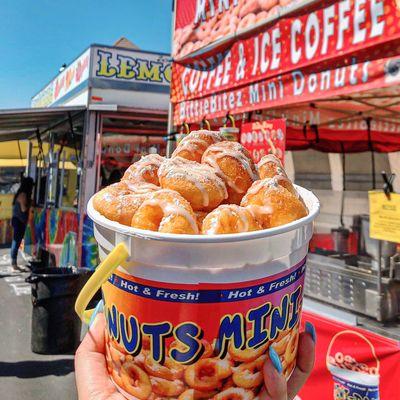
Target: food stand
(331, 70)
(101, 113)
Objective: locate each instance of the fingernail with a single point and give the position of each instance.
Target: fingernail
(311, 330)
(99, 308)
(276, 362)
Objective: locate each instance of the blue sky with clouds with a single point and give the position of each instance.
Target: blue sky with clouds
(38, 36)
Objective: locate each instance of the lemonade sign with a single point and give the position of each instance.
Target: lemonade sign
(384, 216)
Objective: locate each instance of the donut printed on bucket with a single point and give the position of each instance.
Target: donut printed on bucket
(353, 379)
(199, 341)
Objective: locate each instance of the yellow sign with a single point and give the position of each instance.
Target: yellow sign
(384, 216)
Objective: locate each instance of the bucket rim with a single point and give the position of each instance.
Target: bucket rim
(313, 211)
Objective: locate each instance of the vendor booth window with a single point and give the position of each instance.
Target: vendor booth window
(10, 179)
(358, 167)
(312, 169)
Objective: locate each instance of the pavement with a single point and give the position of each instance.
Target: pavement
(25, 375)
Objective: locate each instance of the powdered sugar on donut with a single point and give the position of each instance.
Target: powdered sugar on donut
(236, 151)
(172, 206)
(269, 158)
(197, 174)
(197, 141)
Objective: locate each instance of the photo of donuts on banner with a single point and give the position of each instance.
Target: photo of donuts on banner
(351, 363)
(304, 51)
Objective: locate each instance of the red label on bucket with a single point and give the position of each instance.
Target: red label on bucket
(197, 340)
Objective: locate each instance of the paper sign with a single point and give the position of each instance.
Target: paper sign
(384, 216)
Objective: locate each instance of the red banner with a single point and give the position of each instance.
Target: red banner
(351, 363)
(264, 137)
(202, 26)
(326, 38)
(295, 87)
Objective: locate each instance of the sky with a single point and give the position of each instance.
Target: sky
(38, 36)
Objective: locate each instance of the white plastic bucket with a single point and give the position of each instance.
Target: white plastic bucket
(233, 294)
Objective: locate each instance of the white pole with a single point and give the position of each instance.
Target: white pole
(336, 167)
(171, 143)
(394, 162)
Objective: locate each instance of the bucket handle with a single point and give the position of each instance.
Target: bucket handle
(352, 333)
(117, 256)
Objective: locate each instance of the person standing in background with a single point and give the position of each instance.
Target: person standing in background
(20, 212)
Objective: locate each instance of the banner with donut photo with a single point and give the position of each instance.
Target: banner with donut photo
(264, 137)
(352, 363)
(202, 25)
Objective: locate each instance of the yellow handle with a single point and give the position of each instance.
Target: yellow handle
(230, 118)
(104, 270)
(187, 128)
(206, 122)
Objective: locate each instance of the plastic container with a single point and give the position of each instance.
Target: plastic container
(183, 310)
(56, 328)
(354, 380)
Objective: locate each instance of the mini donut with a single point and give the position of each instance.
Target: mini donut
(249, 6)
(135, 381)
(247, 22)
(234, 393)
(197, 183)
(193, 394)
(166, 388)
(145, 169)
(274, 11)
(247, 354)
(192, 146)
(331, 360)
(229, 218)
(266, 5)
(280, 344)
(197, 45)
(261, 16)
(269, 166)
(187, 48)
(170, 370)
(277, 180)
(165, 211)
(207, 374)
(272, 204)
(284, 3)
(118, 202)
(339, 357)
(249, 375)
(349, 359)
(373, 371)
(234, 165)
(225, 26)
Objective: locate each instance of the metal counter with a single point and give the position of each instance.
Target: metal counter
(353, 286)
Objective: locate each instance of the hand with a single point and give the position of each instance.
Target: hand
(276, 387)
(91, 374)
(93, 383)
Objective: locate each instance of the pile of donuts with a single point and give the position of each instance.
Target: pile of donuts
(238, 376)
(209, 186)
(348, 362)
(238, 18)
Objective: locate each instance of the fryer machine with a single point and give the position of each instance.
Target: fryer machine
(367, 283)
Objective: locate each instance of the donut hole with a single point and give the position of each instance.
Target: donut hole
(207, 371)
(148, 217)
